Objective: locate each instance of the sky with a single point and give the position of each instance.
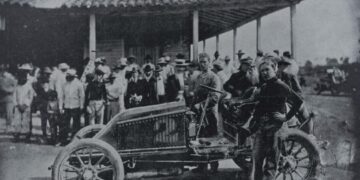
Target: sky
(324, 28)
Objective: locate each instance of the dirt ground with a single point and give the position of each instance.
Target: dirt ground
(334, 124)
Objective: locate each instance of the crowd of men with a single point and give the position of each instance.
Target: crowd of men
(60, 95)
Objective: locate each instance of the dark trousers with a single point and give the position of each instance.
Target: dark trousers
(53, 121)
(44, 118)
(264, 149)
(65, 124)
(210, 128)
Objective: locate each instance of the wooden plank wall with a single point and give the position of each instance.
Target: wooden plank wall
(112, 50)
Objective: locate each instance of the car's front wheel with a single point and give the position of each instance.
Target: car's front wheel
(88, 159)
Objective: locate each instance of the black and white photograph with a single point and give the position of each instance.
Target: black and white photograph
(179, 89)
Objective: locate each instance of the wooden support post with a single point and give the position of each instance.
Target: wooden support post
(122, 42)
(293, 30)
(258, 34)
(234, 44)
(92, 38)
(204, 45)
(195, 34)
(217, 43)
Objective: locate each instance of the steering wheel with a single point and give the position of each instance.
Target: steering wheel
(211, 89)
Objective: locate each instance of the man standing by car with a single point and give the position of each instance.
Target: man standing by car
(210, 79)
(303, 115)
(269, 116)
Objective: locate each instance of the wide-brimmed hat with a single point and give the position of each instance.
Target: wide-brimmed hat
(147, 68)
(103, 60)
(100, 70)
(240, 52)
(71, 72)
(287, 54)
(64, 66)
(47, 70)
(162, 60)
(247, 60)
(158, 68)
(270, 54)
(131, 57)
(26, 66)
(227, 58)
(276, 51)
(218, 64)
(181, 63)
(99, 61)
(284, 61)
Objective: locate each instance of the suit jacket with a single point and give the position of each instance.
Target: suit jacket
(149, 94)
(172, 88)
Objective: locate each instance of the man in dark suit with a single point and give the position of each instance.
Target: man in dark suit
(148, 85)
(176, 83)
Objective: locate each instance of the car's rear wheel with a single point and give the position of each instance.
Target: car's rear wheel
(88, 159)
(298, 157)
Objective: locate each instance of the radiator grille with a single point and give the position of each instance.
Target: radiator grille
(152, 132)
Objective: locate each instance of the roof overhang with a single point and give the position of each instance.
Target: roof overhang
(215, 16)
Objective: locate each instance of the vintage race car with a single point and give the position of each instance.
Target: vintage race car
(165, 136)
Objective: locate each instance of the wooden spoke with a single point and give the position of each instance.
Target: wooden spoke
(298, 151)
(99, 161)
(305, 157)
(291, 147)
(79, 158)
(90, 156)
(297, 173)
(104, 169)
(73, 169)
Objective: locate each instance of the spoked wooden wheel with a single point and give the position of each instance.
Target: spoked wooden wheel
(298, 158)
(88, 159)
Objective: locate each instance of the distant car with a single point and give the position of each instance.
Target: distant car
(167, 135)
(334, 82)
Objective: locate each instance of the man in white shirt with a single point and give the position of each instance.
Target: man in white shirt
(24, 95)
(115, 96)
(71, 104)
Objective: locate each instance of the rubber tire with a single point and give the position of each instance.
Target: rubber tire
(310, 146)
(106, 148)
(88, 131)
